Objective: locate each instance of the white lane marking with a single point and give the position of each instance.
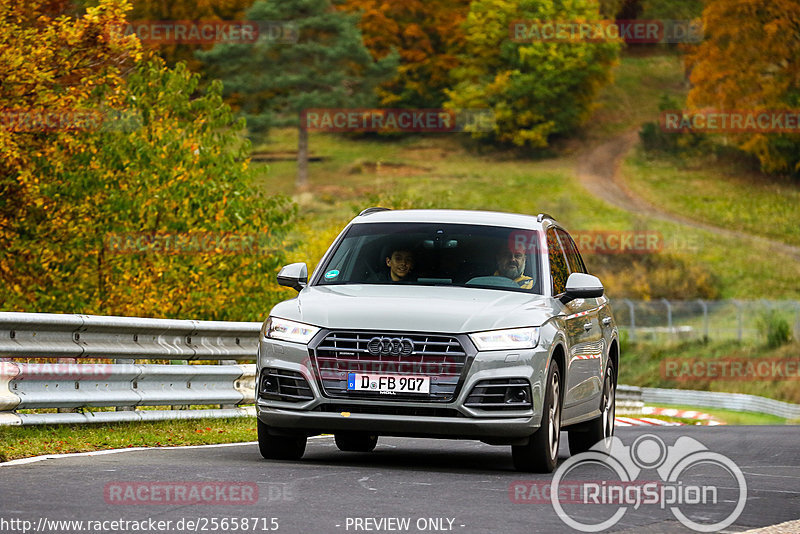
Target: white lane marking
(34, 459)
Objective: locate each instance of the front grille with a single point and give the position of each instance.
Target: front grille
(390, 410)
(500, 394)
(282, 385)
(440, 357)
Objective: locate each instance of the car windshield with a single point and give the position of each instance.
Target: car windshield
(435, 254)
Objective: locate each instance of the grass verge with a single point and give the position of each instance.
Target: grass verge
(718, 193)
(645, 365)
(26, 441)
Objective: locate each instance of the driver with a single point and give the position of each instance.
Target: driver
(511, 264)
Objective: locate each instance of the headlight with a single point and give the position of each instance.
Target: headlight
(276, 328)
(512, 338)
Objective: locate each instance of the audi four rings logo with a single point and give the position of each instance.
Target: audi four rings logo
(390, 346)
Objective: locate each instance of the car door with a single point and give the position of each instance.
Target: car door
(581, 319)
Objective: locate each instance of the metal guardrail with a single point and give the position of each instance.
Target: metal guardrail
(123, 385)
(629, 400)
(25, 386)
(739, 402)
(126, 386)
(50, 335)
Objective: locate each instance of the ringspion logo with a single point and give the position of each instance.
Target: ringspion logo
(683, 486)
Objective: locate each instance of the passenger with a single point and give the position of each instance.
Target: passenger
(512, 265)
(400, 261)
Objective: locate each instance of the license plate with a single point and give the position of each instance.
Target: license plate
(388, 383)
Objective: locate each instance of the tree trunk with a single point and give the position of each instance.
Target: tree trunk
(302, 156)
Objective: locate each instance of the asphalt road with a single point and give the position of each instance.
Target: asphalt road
(437, 486)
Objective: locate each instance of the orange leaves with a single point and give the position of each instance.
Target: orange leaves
(177, 166)
(426, 35)
(750, 60)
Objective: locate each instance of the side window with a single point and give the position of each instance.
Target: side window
(558, 263)
(574, 259)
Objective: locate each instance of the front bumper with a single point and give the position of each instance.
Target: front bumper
(324, 414)
(313, 423)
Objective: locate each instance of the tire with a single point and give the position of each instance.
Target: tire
(540, 455)
(601, 427)
(355, 441)
(273, 447)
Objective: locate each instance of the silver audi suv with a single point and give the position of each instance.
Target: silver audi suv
(443, 324)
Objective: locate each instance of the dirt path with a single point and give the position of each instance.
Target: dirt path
(599, 172)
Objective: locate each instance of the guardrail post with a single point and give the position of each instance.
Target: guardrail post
(705, 318)
(633, 318)
(227, 362)
(796, 320)
(125, 408)
(670, 331)
(66, 363)
(739, 319)
(181, 362)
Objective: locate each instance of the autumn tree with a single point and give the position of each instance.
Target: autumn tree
(750, 61)
(426, 34)
(61, 65)
(187, 10)
(159, 156)
(272, 82)
(536, 88)
(671, 9)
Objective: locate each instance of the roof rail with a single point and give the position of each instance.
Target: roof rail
(544, 216)
(373, 210)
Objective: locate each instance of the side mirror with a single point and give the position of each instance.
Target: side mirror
(582, 286)
(294, 275)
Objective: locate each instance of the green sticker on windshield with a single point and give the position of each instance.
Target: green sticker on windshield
(330, 275)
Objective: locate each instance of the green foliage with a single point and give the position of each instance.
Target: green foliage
(655, 139)
(653, 276)
(425, 34)
(642, 364)
(610, 8)
(177, 167)
(777, 330)
(536, 89)
(271, 83)
(671, 9)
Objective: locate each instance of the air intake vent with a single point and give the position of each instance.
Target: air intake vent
(500, 394)
(286, 386)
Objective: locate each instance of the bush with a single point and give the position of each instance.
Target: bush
(777, 328)
(655, 139)
(653, 276)
(536, 89)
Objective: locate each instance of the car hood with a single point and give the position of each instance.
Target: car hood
(414, 308)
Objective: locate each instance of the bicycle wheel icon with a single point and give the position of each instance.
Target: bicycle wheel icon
(717, 460)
